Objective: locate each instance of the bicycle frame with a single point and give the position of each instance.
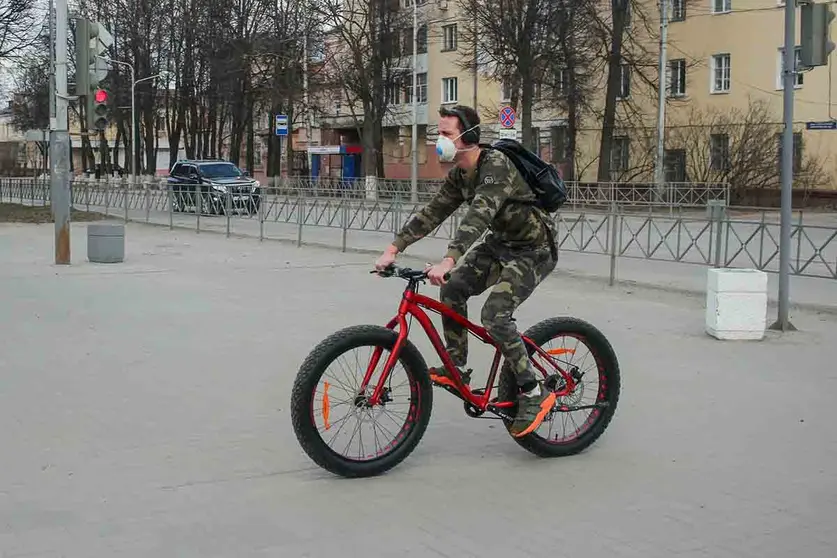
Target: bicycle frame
(413, 304)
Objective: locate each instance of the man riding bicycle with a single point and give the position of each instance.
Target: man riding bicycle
(518, 254)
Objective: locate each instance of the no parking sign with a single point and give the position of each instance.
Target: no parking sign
(507, 117)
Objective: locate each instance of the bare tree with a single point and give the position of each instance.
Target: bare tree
(741, 148)
(30, 95)
(277, 68)
(572, 75)
(367, 47)
(17, 31)
(517, 40)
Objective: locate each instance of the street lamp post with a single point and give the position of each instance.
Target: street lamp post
(134, 126)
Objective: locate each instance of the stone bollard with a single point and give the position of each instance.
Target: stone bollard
(736, 303)
(105, 243)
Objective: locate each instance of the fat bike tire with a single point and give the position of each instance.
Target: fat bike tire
(313, 368)
(607, 366)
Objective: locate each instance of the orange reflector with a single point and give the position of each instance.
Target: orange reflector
(326, 406)
(560, 351)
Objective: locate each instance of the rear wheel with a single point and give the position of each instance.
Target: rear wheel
(321, 396)
(575, 429)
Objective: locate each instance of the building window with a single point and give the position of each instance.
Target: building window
(676, 77)
(393, 93)
(797, 151)
(721, 73)
(407, 41)
(674, 165)
(624, 82)
(421, 40)
(257, 156)
(721, 6)
(780, 63)
(506, 90)
(620, 155)
(677, 11)
(719, 160)
(558, 140)
(449, 37)
(407, 88)
(562, 82)
(421, 86)
(450, 90)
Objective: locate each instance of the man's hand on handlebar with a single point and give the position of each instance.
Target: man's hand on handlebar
(387, 258)
(439, 273)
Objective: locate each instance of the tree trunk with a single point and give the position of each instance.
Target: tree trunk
(619, 9)
(251, 160)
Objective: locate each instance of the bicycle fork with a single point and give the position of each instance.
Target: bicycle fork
(403, 331)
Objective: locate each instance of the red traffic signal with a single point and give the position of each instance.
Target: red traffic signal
(101, 96)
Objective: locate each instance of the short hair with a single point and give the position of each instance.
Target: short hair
(468, 118)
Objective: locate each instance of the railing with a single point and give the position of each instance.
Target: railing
(733, 237)
(579, 194)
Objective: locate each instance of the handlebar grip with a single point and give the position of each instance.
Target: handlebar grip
(447, 276)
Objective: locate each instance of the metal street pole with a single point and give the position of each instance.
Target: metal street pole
(133, 114)
(308, 112)
(135, 122)
(783, 321)
(659, 167)
(59, 144)
(414, 143)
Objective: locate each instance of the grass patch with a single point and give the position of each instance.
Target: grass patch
(37, 214)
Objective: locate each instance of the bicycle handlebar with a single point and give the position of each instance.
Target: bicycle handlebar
(405, 273)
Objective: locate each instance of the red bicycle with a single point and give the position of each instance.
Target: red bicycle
(373, 396)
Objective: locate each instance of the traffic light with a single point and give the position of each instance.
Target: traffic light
(92, 41)
(815, 36)
(97, 115)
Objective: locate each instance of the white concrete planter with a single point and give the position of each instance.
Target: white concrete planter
(736, 303)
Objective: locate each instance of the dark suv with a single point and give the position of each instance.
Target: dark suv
(220, 185)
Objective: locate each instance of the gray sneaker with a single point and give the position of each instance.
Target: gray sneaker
(531, 411)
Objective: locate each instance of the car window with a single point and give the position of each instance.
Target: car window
(177, 170)
(220, 170)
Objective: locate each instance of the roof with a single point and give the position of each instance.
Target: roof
(204, 161)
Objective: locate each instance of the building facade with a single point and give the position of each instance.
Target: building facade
(723, 99)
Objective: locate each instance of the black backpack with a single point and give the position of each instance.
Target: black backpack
(543, 179)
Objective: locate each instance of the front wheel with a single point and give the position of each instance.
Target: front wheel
(321, 397)
(585, 352)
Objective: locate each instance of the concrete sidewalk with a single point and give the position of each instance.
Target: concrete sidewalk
(145, 413)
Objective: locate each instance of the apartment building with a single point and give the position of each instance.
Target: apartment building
(723, 99)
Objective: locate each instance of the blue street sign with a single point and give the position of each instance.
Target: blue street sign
(825, 125)
(281, 125)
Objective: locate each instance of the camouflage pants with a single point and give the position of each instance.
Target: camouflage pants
(514, 276)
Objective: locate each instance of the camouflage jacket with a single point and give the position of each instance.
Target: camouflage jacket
(499, 199)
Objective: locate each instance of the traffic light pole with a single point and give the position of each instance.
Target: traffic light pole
(59, 136)
(782, 322)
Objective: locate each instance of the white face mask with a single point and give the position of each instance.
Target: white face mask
(446, 150)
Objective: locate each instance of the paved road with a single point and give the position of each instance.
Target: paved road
(145, 413)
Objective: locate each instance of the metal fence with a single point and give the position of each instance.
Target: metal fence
(673, 194)
(638, 227)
